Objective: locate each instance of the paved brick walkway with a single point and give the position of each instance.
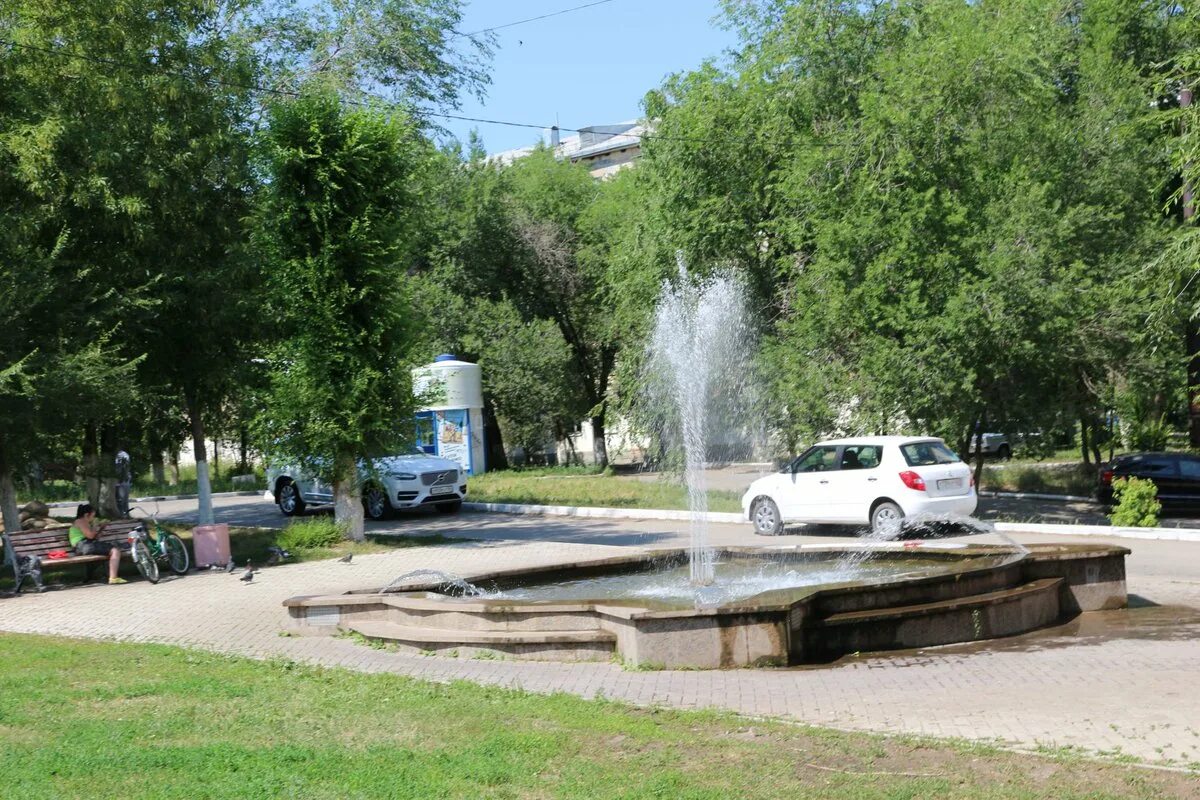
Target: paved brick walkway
(1121, 682)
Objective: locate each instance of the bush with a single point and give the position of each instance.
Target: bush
(1137, 503)
(311, 534)
(1149, 436)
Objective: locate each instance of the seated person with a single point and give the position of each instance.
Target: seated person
(850, 460)
(83, 535)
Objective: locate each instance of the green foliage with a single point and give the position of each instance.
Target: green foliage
(339, 218)
(577, 486)
(311, 534)
(1137, 504)
(935, 204)
(1074, 479)
(1147, 435)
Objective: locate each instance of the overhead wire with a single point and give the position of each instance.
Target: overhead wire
(376, 100)
(530, 19)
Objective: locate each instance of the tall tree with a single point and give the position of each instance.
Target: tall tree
(340, 220)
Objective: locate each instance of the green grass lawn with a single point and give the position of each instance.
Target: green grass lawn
(100, 720)
(572, 486)
(143, 486)
(1071, 479)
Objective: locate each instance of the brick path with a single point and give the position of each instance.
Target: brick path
(1121, 682)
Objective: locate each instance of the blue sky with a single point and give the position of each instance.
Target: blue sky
(587, 67)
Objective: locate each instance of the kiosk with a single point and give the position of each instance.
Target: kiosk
(450, 425)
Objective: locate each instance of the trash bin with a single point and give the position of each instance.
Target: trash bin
(211, 545)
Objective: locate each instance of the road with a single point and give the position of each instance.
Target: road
(1163, 572)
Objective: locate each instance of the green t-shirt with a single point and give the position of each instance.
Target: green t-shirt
(75, 535)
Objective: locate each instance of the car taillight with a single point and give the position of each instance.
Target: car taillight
(1106, 477)
(912, 480)
(971, 480)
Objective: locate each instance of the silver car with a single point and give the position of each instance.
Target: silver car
(393, 483)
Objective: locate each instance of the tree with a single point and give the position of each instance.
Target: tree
(340, 219)
(152, 184)
(549, 213)
(935, 203)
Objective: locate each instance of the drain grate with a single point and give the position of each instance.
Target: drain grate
(322, 615)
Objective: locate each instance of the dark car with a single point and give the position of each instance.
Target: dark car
(1177, 476)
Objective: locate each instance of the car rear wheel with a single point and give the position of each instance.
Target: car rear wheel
(766, 517)
(375, 503)
(887, 519)
(290, 501)
(1005, 452)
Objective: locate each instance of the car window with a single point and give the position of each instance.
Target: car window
(1150, 466)
(819, 459)
(1190, 468)
(926, 454)
(861, 456)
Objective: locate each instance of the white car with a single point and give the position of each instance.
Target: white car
(875, 480)
(396, 482)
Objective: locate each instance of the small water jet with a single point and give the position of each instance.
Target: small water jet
(698, 351)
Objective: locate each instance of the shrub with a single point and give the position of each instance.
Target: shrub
(1029, 479)
(1152, 435)
(1137, 503)
(311, 534)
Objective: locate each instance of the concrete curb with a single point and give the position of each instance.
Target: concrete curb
(1165, 534)
(602, 513)
(1066, 498)
(69, 503)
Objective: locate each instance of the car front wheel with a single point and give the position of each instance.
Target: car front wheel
(290, 502)
(766, 517)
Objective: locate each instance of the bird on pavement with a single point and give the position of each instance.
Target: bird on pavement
(278, 554)
(248, 575)
(346, 558)
(230, 567)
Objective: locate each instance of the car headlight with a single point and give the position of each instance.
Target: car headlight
(402, 476)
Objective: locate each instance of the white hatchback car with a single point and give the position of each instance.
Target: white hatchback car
(875, 480)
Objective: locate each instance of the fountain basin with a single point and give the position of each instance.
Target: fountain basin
(913, 594)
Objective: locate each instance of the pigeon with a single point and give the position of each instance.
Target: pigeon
(248, 575)
(278, 554)
(230, 567)
(346, 558)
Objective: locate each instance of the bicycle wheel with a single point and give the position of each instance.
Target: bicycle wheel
(177, 554)
(145, 562)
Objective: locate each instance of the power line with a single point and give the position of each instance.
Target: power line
(378, 100)
(530, 19)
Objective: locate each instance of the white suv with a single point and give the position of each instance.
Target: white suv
(397, 482)
(875, 480)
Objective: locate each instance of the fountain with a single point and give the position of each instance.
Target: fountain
(702, 607)
(699, 348)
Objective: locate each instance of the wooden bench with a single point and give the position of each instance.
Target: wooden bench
(28, 549)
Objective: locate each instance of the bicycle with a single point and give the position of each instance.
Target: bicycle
(163, 546)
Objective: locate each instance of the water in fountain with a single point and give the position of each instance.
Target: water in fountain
(920, 526)
(699, 354)
(446, 583)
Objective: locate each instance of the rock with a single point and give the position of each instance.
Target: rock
(24, 515)
(244, 481)
(36, 508)
(33, 524)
